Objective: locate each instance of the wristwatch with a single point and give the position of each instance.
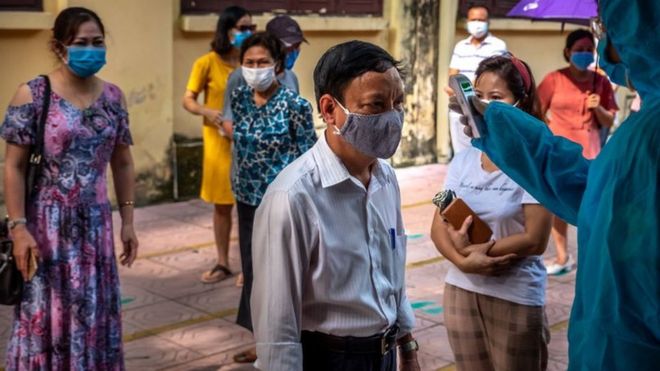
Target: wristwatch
(14, 222)
(410, 346)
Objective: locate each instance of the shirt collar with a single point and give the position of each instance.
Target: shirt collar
(332, 170)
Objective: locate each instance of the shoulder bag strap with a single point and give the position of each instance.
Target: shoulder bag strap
(37, 148)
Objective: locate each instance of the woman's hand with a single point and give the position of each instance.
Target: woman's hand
(460, 238)
(593, 101)
(130, 245)
(213, 116)
(25, 250)
(228, 128)
(478, 261)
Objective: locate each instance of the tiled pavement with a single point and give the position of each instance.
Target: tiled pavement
(174, 322)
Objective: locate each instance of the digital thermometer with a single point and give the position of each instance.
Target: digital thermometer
(463, 89)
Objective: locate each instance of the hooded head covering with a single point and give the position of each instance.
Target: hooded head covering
(632, 27)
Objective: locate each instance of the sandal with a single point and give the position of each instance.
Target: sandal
(217, 274)
(239, 280)
(248, 356)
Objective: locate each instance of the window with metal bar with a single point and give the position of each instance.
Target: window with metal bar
(331, 7)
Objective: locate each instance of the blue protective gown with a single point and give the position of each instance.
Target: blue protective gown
(614, 200)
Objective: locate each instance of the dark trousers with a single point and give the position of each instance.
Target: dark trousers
(245, 223)
(318, 358)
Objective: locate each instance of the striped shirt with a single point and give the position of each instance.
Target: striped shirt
(466, 57)
(328, 256)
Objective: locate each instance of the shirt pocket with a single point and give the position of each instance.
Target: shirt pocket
(401, 241)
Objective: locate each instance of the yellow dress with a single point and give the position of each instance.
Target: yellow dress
(209, 75)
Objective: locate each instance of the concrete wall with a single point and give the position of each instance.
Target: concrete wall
(417, 24)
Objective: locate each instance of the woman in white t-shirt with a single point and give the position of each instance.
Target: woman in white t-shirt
(495, 292)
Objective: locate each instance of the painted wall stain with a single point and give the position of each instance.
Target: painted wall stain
(420, 29)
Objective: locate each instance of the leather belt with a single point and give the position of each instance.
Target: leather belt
(379, 344)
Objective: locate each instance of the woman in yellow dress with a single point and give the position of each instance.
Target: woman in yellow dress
(209, 75)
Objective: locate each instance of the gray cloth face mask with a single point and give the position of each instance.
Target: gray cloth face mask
(373, 135)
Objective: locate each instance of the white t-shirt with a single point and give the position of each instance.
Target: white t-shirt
(466, 57)
(498, 201)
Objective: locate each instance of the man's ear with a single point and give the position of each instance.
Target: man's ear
(327, 107)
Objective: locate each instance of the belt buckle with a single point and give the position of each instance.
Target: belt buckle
(384, 340)
(383, 346)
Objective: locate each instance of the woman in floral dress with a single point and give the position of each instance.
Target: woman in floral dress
(69, 317)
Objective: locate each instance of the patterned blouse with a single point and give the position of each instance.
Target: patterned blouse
(267, 139)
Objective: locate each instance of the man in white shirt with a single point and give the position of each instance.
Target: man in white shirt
(468, 53)
(329, 243)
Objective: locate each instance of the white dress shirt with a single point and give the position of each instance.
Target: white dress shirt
(328, 256)
(466, 57)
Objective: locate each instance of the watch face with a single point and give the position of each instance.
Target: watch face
(410, 346)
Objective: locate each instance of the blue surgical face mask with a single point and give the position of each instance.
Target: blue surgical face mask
(291, 58)
(239, 37)
(373, 135)
(617, 72)
(85, 61)
(582, 60)
(477, 29)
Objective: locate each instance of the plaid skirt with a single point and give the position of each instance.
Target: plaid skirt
(487, 333)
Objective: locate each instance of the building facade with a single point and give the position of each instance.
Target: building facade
(152, 45)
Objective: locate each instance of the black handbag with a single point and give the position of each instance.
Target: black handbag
(11, 280)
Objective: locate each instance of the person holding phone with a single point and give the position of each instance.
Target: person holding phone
(495, 291)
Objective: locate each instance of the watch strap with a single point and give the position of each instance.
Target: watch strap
(14, 222)
(409, 346)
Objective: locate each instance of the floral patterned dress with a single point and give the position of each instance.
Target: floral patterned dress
(70, 314)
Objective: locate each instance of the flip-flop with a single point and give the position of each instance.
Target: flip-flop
(216, 274)
(239, 280)
(248, 356)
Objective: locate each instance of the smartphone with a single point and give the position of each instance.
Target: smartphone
(455, 214)
(463, 89)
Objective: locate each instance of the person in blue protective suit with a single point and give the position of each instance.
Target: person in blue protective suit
(614, 199)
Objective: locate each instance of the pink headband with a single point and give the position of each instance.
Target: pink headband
(524, 73)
